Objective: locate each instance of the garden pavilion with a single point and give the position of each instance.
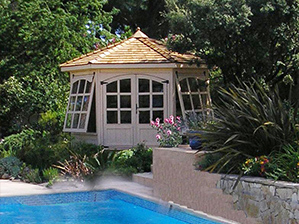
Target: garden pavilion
(117, 90)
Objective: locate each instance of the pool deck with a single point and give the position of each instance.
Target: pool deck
(17, 188)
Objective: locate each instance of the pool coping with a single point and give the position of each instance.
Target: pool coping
(179, 207)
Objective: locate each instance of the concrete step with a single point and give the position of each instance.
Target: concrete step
(145, 179)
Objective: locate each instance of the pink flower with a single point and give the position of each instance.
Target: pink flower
(152, 123)
(157, 121)
(171, 119)
(166, 120)
(178, 129)
(169, 132)
(178, 118)
(158, 137)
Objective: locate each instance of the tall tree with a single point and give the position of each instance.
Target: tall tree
(245, 38)
(146, 14)
(35, 37)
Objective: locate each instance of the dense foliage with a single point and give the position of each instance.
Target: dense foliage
(135, 160)
(146, 14)
(245, 38)
(35, 37)
(250, 122)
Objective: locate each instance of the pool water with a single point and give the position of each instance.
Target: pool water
(105, 207)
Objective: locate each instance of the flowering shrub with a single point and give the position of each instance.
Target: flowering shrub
(168, 132)
(257, 166)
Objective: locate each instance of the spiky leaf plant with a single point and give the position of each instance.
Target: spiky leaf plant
(250, 122)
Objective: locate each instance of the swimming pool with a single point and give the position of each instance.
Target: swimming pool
(104, 207)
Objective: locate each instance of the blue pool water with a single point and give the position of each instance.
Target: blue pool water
(105, 207)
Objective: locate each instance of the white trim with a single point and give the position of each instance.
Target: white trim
(70, 68)
(88, 78)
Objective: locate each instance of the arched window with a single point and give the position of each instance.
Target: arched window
(79, 105)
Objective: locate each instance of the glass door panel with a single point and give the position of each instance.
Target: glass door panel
(150, 96)
(119, 102)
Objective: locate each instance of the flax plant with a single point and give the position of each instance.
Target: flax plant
(250, 122)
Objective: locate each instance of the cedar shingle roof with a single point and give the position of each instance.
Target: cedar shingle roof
(138, 49)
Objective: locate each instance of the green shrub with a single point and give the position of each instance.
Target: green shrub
(279, 165)
(30, 175)
(102, 159)
(285, 164)
(137, 159)
(10, 165)
(84, 148)
(250, 122)
(17, 142)
(50, 174)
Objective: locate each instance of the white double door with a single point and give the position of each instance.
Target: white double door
(130, 103)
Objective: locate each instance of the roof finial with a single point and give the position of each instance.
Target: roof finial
(139, 33)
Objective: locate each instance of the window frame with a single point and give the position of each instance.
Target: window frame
(205, 108)
(72, 111)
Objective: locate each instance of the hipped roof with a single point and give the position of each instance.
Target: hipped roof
(138, 49)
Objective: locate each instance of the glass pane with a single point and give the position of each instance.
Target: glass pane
(196, 101)
(82, 85)
(144, 86)
(85, 103)
(75, 87)
(112, 87)
(82, 121)
(202, 85)
(72, 103)
(144, 117)
(68, 121)
(111, 117)
(157, 87)
(125, 101)
(144, 101)
(184, 87)
(75, 121)
(111, 101)
(193, 84)
(158, 114)
(125, 85)
(79, 103)
(88, 87)
(125, 117)
(157, 101)
(187, 102)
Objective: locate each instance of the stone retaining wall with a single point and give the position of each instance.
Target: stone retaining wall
(269, 201)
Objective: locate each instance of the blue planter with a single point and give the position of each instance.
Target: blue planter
(194, 140)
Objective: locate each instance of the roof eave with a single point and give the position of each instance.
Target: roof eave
(66, 68)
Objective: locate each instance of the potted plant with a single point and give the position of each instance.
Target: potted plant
(194, 125)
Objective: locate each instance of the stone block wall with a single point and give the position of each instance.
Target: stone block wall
(269, 201)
